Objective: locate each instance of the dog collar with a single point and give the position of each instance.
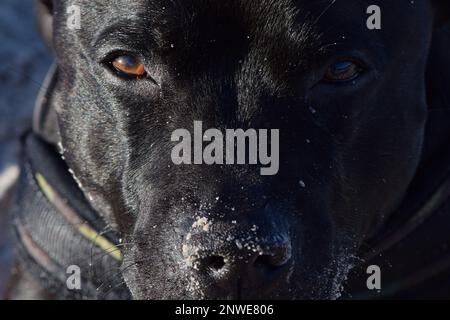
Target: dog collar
(56, 230)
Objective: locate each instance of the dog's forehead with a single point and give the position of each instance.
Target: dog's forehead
(264, 18)
(252, 16)
(258, 9)
(274, 14)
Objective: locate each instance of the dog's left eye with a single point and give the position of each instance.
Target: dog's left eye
(128, 66)
(343, 71)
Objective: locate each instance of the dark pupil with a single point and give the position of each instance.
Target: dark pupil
(343, 69)
(127, 61)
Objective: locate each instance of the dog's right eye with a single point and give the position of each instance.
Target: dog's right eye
(128, 66)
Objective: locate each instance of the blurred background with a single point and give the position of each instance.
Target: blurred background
(24, 60)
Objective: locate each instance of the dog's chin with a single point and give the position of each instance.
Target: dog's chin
(325, 289)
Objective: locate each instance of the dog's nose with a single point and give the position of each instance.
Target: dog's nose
(233, 263)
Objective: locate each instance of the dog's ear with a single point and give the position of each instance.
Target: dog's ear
(442, 12)
(44, 18)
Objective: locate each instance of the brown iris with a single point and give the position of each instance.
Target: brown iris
(129, 66)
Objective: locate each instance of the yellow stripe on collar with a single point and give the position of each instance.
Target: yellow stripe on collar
(75, 220)
(100, 241)
(45, 187)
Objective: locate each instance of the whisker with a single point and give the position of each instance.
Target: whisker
(325, 10)
(112, 288)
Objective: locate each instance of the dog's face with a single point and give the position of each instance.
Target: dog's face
(350, 104)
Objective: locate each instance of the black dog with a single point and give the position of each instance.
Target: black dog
(351, 104)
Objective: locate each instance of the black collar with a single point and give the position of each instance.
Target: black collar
(56, 228)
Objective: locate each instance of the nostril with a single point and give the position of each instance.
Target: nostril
(214, 263)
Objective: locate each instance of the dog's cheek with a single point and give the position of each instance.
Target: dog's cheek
(93, 151)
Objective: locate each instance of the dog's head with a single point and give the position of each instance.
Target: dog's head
(349, 103)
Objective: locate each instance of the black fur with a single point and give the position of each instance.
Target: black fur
(348, 152)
